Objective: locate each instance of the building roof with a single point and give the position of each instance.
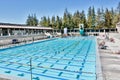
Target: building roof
(22, 26)
(12, 24)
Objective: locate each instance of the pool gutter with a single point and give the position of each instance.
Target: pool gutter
(7, 77)
(99, 75)
(28, 43)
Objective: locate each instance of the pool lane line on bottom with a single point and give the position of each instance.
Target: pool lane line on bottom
(50, 68)
(34, 73)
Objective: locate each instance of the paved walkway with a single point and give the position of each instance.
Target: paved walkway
(110, 65)
(110, 61)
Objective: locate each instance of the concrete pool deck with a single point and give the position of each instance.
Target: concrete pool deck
(110, 65)
(110, 61)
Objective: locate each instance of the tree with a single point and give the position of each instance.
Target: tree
(65, 18)
(83, 19)
(32, 20)
(116, 19)
(48, 22)
(58, 23)
(112, 11)
(118, 8)
(43, 21)
(112, 16)
(89, 21)
(76, 19)
(53, 22)
(93, 17)
(70, 21)
(117, 15)
(35, 20)
(108, 19)
(101, 19)
(29, 21)
(98, 21)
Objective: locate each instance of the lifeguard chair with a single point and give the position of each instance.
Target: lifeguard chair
(81, 29)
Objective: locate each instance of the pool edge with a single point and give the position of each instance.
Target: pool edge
(32, 42)
(99, 74)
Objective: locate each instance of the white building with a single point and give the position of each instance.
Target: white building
(7, 29)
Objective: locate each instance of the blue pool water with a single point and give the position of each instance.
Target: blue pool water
(57, 59)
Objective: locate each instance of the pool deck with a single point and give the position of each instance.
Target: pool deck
(110, 61)
(110, 65)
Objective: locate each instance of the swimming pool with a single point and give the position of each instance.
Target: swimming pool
(56, 59)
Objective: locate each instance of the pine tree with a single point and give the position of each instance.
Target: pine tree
(108, 19)
(58, 23)
(43, 21)
(98, 18)
(83, 19)
(103, 19)
(70, 21)
(89, 21)
(28, 22)
(118, 8)
(112, 16)
(35, 20)
(32, 20)
(53, 22)
(116, 19)
(65, 16)
(118, 14)
(76, 19)
(93, 17)
(48, 22)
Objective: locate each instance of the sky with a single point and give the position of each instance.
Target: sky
(16, 11)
